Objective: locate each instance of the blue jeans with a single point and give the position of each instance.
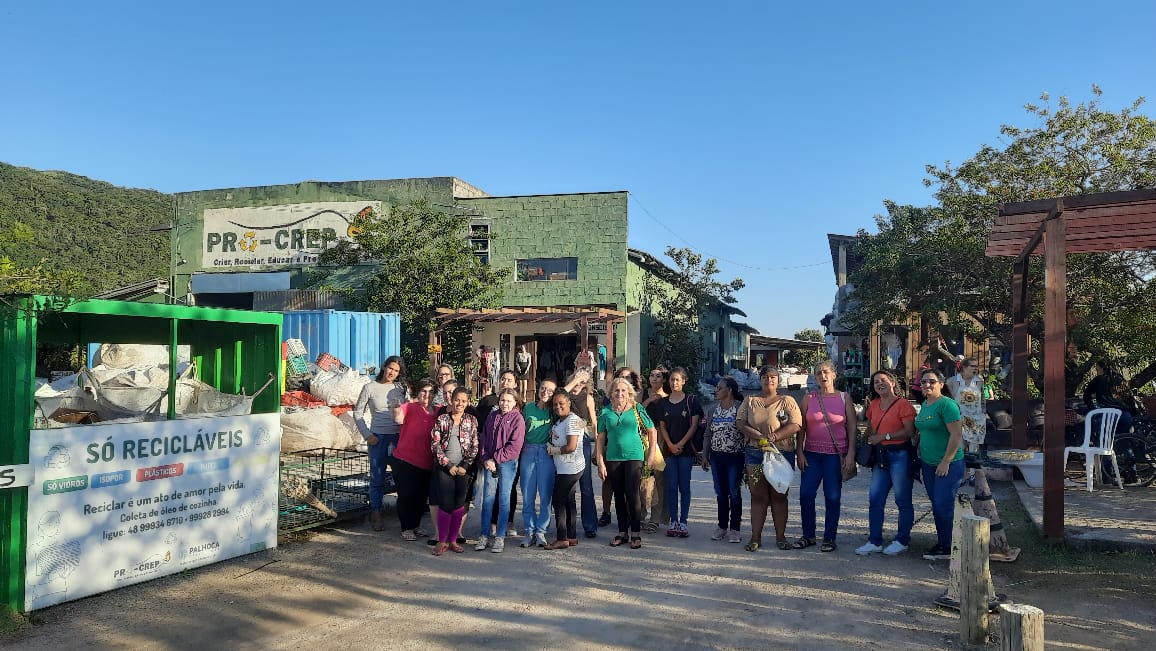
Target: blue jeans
(727, 471)
(497, 487)
(896, 476)
(941, 492)
(586, 487)
(537, 480)
(823, 469)
(379, 458)
(678, 483)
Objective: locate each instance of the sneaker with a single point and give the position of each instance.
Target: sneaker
(895, 548)
(511, 531)
(719, 534)
(409, 535)
(937, 553)
(604, 519)
(869, 548)
(529, 541)
(672, 530)
(733, 536)
(483, 543)
(683, 532)
(540, 540)
(498, 546)
(591, 534)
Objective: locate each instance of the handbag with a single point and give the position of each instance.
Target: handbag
(868, 455)
(778, 471)
(657, 461)
(847, 474)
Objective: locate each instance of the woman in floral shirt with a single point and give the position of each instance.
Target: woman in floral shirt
(723, 455)
(967, 388)
(454, 442)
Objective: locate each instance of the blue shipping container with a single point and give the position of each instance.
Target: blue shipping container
(359, 339)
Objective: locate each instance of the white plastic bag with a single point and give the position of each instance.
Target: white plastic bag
(312, 428)
(336, 389)
(777, 469)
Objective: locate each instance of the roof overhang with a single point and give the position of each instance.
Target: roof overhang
(1110, 221)
(566, 314)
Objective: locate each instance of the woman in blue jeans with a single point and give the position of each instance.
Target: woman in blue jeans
(723, 455)
(537, 466)
(940, 433)
(828, 442)
(891, 420)
(680, 414)
(502, 440)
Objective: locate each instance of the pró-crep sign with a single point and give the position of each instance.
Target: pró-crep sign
(278, 235)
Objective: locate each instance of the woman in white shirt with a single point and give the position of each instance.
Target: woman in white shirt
(566, 449)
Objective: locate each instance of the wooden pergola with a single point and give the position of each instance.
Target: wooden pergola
(1094, 223)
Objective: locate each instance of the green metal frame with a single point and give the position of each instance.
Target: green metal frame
(234, 350)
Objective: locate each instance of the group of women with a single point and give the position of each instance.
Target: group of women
(435, 453)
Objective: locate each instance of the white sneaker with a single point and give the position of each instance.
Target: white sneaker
(868, 548)
(718, 534)
(540, 540)
(499, 545)
(483, 542)
(895, 548)
(734, 536)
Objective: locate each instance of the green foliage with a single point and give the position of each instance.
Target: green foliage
(427, 262)
(70, 235)
(677, 301)
(931, 260)
(805, 359)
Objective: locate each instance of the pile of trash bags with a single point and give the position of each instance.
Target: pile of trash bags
(317, 408)
(129, 383)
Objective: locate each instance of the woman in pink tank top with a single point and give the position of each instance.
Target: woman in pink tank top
(828, 438)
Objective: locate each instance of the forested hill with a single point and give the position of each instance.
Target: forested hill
(93, 227)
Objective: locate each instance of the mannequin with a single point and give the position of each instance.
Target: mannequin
(522, 368)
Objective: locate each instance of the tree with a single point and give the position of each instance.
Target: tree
(806, 358)
(426, 262)
(678, 300)
(36, 278)
(930, 260)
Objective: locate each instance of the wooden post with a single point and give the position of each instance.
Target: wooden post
(1055, 349)
(1020, 354)
(1021, 628)
(975, 578)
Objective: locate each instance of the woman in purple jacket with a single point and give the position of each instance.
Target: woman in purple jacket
(501, 445)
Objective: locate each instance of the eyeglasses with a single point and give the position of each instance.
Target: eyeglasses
(929, 382)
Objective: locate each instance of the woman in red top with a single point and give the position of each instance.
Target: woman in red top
(891, 426)
(413, 459)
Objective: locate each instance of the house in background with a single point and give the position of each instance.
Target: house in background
(571, 268)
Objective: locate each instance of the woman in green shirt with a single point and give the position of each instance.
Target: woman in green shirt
(940, 429)
(626, 439)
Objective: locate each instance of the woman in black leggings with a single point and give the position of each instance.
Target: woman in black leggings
(454, 442)
(569, 463)
(626, 440)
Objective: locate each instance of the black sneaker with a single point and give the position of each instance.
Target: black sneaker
(938, 553)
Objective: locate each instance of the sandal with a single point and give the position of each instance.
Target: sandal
(636, 542)
(753, 546)
(650, 527)
(783, 544)
(828, 546)
(440, 548)
(803, 543)
(618, 541)
(456, 548)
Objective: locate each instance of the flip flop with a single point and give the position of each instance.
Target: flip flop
(440, 548)
(618, 541)
(803, 543)
(753, 546)
(783, 544)
(828, 546)
(636, 542)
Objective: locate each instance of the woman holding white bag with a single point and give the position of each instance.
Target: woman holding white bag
(767, 420)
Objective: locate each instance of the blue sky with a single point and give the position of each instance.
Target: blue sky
(746, 130)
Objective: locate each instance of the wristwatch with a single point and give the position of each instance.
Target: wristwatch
(887, 437)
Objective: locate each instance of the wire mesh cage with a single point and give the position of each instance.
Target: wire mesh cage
(321, 485)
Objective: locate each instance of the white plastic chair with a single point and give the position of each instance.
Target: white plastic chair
(1108, 418)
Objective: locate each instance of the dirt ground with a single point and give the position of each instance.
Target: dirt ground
(348, 587)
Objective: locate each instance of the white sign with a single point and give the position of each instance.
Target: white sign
(277, 235)
(118, 504)
(15, 476)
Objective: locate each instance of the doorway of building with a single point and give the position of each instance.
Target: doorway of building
(554, 356)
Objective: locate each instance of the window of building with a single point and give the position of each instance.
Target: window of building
(546, 269)
(480, 241)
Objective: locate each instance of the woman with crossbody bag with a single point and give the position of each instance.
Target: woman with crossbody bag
(892, 424)
(828, 450)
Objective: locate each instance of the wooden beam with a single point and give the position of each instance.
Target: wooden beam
(1055, 347)
(1056, 210)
